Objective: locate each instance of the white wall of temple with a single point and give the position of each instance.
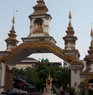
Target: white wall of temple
(78, 79)
(19, 66)
(46, 25)
(10, 47)
(69, 46)
(2, 78)
(32, 26)
(75, 79)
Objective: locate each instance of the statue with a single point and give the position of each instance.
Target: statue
(39, 28)
(48, 89)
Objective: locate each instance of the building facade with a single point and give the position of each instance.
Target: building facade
(40, 41)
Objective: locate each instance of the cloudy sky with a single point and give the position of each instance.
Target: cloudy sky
(82, 17)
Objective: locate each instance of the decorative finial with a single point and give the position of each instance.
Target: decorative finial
(70, 17)
(91, 34)
(13, 21)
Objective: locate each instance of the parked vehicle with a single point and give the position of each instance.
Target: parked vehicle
(14, 91)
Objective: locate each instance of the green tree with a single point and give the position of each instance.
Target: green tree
(64, 76)
(31, 73)
(18, 72)
(60, 75)
(42, 71)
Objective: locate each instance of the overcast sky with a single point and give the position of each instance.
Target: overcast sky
(82, 16)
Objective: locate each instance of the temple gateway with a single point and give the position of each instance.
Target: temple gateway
(39, 40)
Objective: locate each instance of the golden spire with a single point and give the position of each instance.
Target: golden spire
(13, 21)
(11, 40)
(70, 17)
(91, 34)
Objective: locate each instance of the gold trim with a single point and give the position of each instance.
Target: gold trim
(87, 79)
(39, 44)
(46, 33)
(37, 32)
(46, 25)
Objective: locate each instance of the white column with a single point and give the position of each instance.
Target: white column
(75, 76)
(2, 77)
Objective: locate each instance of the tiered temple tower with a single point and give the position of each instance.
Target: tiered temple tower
(89, 57)
(40, 20)
(87, 75)
(11, 40)
(39, 24)
(70, 41)
(71, 51)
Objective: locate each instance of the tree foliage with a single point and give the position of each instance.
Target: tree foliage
(60, 75)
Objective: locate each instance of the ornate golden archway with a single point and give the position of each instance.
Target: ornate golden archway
(27, 48)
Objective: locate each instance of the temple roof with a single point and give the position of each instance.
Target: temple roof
(40, 8)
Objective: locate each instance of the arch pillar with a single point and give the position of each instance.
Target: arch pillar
(6, 77)
(75, 70)
(2, 76)
(9, 77)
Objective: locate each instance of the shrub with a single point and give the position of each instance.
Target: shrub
(72, 91)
